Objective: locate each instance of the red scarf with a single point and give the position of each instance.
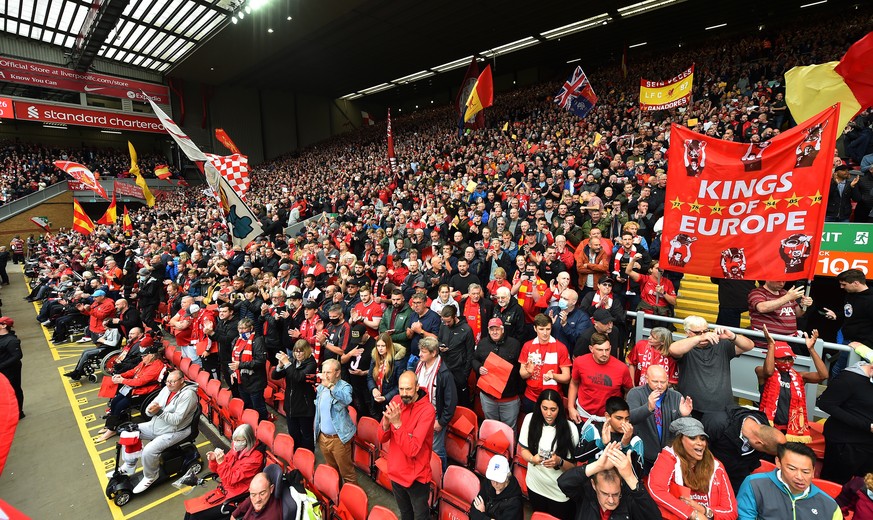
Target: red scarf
(798, 428)
(474, 318)
(242, 352)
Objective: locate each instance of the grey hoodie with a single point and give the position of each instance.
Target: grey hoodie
(179, 412)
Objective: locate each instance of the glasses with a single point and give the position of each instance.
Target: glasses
(172, 381)
(696, 332)
(298, 350)
(609, 496)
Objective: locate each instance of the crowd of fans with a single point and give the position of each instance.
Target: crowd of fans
(29, 167)
(521, 248)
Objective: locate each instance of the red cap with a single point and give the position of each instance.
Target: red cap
(783, 350)
(495, 322)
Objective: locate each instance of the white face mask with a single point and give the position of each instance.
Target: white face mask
(239, 445)
(870, 494)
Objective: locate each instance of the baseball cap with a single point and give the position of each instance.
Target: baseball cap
(359, 333)
(310, 305)
(783, 350)
(603, 316)
(421, 284)
(145, 271)
(99, 292)
(842, 167)
(294, 292)
(6, 320)
(687, 426)
(606, 278)
(498, 469)
(154, 349)
(495, 322)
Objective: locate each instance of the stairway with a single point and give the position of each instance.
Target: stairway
(699, 296)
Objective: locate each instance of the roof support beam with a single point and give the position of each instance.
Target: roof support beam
(102, 17)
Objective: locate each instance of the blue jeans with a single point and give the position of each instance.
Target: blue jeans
(190, 352)
(439, 446)
(255, 401)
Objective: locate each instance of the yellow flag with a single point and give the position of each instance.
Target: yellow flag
(813, 88)
(505, 126)
(597, 138)
(134, 169)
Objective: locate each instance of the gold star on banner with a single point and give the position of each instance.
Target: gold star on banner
(793, 200)
(771, 203)
(718, 208)
(695, 206)
(816, 199)
(676, 204)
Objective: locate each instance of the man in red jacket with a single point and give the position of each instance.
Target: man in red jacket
(101, 308)
(408, 423)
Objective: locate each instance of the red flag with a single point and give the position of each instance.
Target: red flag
(855, 69)
(235, 169)
(745, 210)
(391, 157)
(464, 94)
(82, 223)
(162, 171)
(111, 215)
(126, 224)
(222, 136)
(83, 175)
(482, 95)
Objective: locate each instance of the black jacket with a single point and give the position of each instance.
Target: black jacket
(11, 354)
(507, 348)
(254, 372)
(446, 400)
(840, 206)
(225, 333)
(508, 505)
(149, 293)
(459, 354)
(299, 387)
(512, 317)
(849, 401)
(726, 445)
(635, 504)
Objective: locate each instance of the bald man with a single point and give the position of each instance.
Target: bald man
(739, 438)
(260, 503)
(650, 402)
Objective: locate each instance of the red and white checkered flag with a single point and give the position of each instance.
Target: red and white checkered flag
(235, 169)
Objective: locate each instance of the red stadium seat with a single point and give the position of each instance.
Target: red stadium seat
(283, 451)
(461, 437)
(202, 381)
(233, 417)
(366, 445)
(304, 460)
(539, 515)
(184, 364)
(381, 513)
(169, 350)
(460, 487)
(353, 503)
(266, 433)
(222, 404)
(436, 479)
(765, 467)
(382, 466)
(192, 372)
(250, 417)
(519, 470)
(176, 358)
(327, 486)
(831, 488)
(495, 438)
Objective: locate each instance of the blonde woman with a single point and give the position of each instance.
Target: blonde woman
(386, 365)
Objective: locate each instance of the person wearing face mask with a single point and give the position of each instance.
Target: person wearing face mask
(236, 469)
(248, 367)
(299, 374)
(568, 320)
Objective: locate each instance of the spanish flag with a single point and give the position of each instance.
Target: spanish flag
(134, 169)
(162, 171)
(111, 215)
(813, 88)
(126, 224)
(482, 95)
(81, 222)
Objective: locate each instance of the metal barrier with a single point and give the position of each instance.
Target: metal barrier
(743, 379)
(32, 200)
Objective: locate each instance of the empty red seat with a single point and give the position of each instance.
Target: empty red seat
(519, 470)
(460, 487)
(222, 403)
(367, 445)
(304, 460)
(381, 513)
(192, 372)
(266, 432)
(250, 417)
(184, 364)
(353, 503)
(283, 451)
(176, 358)
(831, 488)
(495, 438)
(436, 479)
(233, 416)
(461, 437)
(327, 486)
(765, 467)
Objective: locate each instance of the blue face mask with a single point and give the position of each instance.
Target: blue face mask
(244, 335)
(562, 304)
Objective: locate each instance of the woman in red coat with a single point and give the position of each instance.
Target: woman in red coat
(687, 481)
(236, 469)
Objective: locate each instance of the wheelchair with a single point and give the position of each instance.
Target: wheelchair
(101, 364)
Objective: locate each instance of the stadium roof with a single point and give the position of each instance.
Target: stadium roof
(356, 48)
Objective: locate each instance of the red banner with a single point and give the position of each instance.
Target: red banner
(746, 210)
(128, 190)
(49, 76)
(6, 108)
(86, 117)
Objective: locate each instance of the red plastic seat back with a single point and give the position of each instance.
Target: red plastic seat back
(250, 417)
(354, 502)
(283, 450)
(266, 433)
(327, 483)
(460, 487)
(304, 460)
(381, 513)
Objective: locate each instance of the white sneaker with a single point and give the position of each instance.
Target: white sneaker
(84, 340)
(143, 485)
(124, 469)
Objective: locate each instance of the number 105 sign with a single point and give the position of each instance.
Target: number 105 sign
(845, 246)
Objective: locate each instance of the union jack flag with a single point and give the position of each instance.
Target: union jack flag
(576, 94)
